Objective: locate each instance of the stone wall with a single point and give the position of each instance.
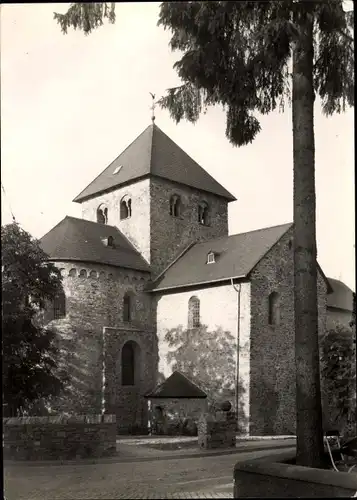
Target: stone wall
(137, 227)
(48, 438)
(157, 235)
(218, 310)
(179, 409)
(218, 431)
(94, 301)
(272, 380)
(128, 402)
(95, 294)
(171, 235)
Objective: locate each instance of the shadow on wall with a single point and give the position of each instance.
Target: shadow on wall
(81, 358)
(208, 358)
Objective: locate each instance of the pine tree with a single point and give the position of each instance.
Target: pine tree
(86, 16)
(246, 56)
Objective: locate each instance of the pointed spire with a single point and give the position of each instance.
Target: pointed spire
(153, 107)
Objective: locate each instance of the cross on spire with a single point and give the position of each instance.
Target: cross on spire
(153, 106)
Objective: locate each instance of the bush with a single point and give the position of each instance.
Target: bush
(189, 427)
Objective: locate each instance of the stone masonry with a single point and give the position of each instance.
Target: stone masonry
(48, 438)
(156, 234)
(169, 235)
(94, 300)
(272, 362)
(137, 227)
(94, 332)
(217, 431)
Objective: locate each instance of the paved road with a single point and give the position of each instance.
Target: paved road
(198, 477)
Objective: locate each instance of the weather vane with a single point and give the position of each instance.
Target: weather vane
(153, 107)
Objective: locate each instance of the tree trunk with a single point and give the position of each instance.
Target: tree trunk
(308, 393)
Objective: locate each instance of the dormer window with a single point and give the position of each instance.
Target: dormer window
(175, 205)
(108, 242)
(125, 207)
(203, 213)
(102, 214)
(211, 258)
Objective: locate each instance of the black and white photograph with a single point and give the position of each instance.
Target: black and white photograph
(178, 250)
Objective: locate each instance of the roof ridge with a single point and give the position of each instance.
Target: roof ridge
(107, 167)
(232, 198)
(132, 248)
(54, 227)
(271, 246)
(189, 380)
(190, 245)
(150, 162)
(92, 222)
(241, 234)
(263, 229)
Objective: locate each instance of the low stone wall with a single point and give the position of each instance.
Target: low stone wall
(218, 431)
(59, 437)
(272, 478)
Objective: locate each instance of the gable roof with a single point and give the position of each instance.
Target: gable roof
(153, 153)
(236, 256)
(341, 296)
(177, 386)
(75, 239)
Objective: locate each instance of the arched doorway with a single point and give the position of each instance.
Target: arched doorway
(130, 364)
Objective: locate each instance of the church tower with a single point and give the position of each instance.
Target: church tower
(159, 198)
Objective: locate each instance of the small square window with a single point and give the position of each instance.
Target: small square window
(211, 258)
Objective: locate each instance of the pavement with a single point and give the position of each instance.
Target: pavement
(145, 449)
(137, 472)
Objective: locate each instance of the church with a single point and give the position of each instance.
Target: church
(151, 253)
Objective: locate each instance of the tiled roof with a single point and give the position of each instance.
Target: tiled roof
(341, 296)
(154, 153)
(177, 386)
(235, 256)
(82, 240)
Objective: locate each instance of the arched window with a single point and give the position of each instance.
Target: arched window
(125, 207)
(203, 213)
(129, 363)
(127, 307)
(175, 205)
(274, 309)
(102, 214)
(193, 313)
(59, 306)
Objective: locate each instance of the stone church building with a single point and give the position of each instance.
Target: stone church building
(152, 252)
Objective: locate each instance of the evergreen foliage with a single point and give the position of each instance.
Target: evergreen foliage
(86, 17)
(30, 351)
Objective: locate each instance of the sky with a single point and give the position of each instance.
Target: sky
(71, 103)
